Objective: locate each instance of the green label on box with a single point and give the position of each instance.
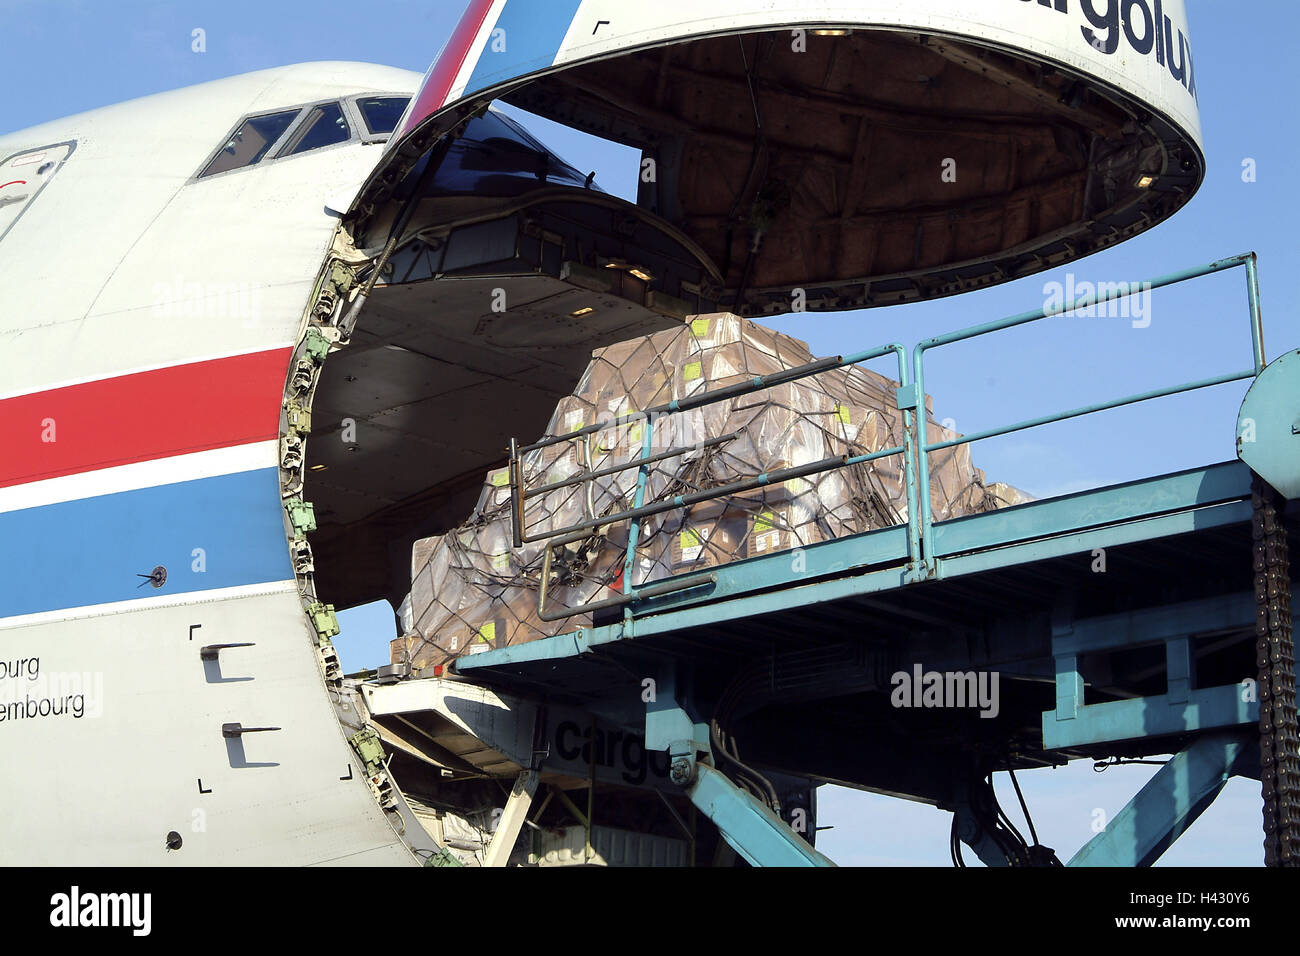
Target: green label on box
(700, 327)
(501, 477)
(842, 412)
(764, 522)
(488, 632)
(501, 562)
(691, 371)
(690, 539)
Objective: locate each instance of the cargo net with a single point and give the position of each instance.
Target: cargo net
(471, 591)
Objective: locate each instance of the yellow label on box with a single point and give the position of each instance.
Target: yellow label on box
(501, 562)
(488, 632)
(700, 327)
(691, 371)
(767, 537)
(842, 413)
(690, 539)
(501, 477)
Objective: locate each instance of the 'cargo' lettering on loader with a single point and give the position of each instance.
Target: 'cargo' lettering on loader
(616, 750)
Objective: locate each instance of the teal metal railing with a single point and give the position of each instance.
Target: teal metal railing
(926, 565)
(922, 563)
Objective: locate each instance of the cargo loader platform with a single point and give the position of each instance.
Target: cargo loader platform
(1117, 622)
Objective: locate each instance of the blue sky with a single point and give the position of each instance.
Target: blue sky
(59, 57)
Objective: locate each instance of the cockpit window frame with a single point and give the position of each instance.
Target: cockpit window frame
(268, 155)
(359, 133)
(354, 105)
(352, 114)
(287, 145)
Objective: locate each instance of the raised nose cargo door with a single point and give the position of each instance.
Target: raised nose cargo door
(845, 155)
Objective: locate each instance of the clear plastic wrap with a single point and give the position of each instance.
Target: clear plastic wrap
(471, 591)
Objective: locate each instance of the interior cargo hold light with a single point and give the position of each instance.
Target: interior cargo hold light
(1145, 181)
(585, 310)
(643, 276)
(831, 33)
(319, 467)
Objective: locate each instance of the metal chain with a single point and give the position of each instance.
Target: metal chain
(1279, 740)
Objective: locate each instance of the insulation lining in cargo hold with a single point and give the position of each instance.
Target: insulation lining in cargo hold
(472, 591)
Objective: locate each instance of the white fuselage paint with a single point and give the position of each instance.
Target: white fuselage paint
(89, 271)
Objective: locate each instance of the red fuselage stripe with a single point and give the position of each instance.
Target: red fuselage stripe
(433, 95)
(143, 416)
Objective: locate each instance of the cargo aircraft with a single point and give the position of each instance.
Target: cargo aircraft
(259, 335)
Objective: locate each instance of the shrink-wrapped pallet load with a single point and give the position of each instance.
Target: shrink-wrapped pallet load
(471, 591)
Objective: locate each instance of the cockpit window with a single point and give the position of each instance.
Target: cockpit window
(251, 141)
(324, 126)
(381, 113)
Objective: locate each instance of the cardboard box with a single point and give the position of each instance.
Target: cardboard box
(710, 534)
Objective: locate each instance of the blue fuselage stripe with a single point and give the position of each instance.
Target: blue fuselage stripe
(526, 39)
(208, 533)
